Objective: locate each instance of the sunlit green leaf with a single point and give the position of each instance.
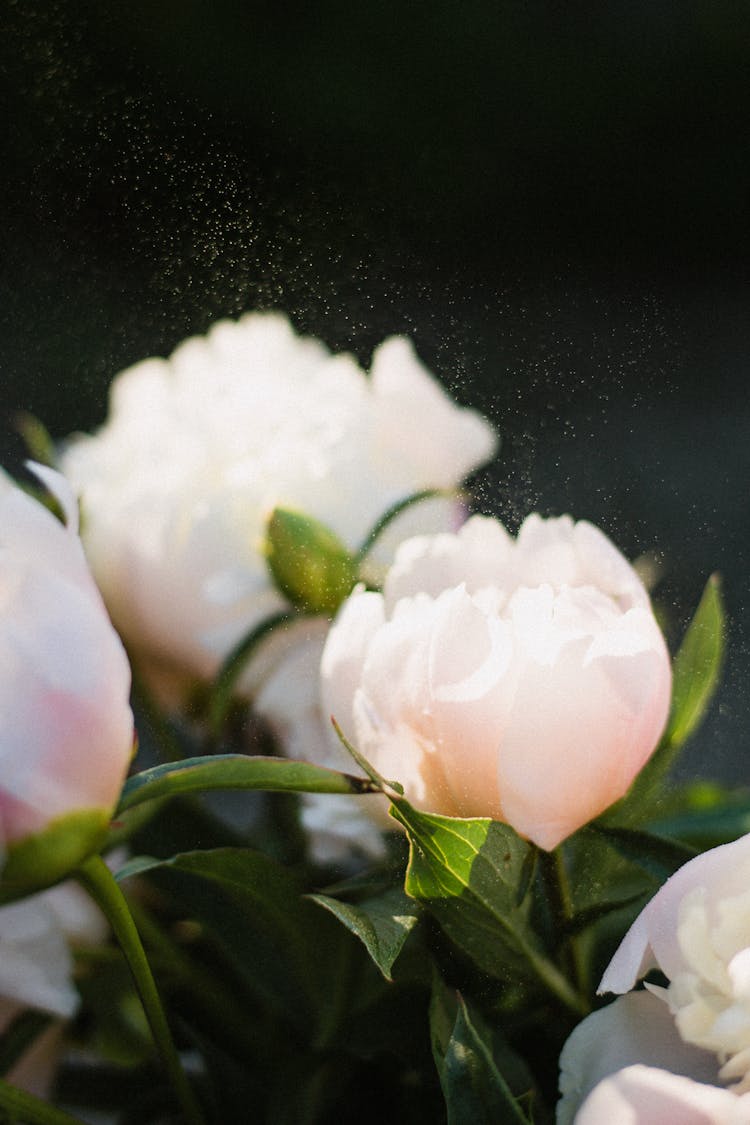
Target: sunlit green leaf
(468, 873)
(697, 665)
(382, 923)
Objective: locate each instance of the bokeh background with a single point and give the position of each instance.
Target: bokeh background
(550, 198)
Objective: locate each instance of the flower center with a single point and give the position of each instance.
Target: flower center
(710, 998)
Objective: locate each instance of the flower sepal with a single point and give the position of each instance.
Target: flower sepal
(38, 861)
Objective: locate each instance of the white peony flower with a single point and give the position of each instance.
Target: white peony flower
(643, 1095)
(199, 449)
(66, 731)
(696, 929)
(491, 675)
(625, 1058)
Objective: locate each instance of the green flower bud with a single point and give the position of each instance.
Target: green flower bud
(308, 562)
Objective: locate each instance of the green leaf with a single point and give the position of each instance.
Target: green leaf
(697, 665)
(584, 919)
(236, 771)
(468, 873)
(116, 1027)
(380, 784)
(382, 923)
(711, 825)
(695, 677)
(475, 1091)
(658, 856)
(285, 951)
(308, 562)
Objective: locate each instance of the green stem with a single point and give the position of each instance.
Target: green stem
(17, 1105)
(558, 984)
(557, 886)
(236, 662)
(213, 999)
(99, 881)
(396, 510)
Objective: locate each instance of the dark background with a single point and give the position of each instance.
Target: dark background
(549, 197)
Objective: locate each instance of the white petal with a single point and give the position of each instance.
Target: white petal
(652, 939)
(643, 1095)
(636, 1028)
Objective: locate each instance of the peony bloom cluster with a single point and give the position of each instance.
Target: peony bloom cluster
(680, 1053)
(177, 487)
(36, 971)
(66, 728)
(493, 674)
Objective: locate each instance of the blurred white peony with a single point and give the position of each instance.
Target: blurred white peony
(66, 729)
(36, 971)
(199, 449)
(491, 675)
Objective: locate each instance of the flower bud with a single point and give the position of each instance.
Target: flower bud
(66, 728)
(309, 563)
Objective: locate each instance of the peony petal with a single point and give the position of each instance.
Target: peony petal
(478, 556)
(447, 444)
(602, 565)
(343, 659)
(643, 1095)
(636, 1028)
(722, 872)
(66, 728)
(606, 715)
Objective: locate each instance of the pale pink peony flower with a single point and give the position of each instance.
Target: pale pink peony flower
(524, 680)
(198, 450)
(66, 733)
